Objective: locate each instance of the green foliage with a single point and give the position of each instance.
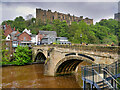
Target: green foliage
(60, 27)
(22, 55)
(19, 23)
(5, 53)
(110, 23)
(113, 29)
(103, 32)
(5, 56)
(8, 22)
(2, 34)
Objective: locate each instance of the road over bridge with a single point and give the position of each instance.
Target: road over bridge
(64, 59)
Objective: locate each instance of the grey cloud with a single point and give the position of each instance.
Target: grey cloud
(95, 10)
(60, 0)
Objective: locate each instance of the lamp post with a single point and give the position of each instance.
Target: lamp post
(81, 38)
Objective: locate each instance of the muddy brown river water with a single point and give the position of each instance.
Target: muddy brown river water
(32, 76)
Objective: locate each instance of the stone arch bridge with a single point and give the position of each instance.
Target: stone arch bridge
(64, 59)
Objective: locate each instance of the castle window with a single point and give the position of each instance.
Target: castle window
(58, 16)
(53, 17)
(63, 17)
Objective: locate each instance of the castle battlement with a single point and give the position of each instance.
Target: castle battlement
(44, 15)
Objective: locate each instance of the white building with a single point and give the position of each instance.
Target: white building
(33, 38)
(36, 40)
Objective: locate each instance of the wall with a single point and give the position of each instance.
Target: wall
(8, 30)
(44, 15)
(24, 34)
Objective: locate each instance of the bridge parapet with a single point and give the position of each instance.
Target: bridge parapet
(56, 54)
(110, 49)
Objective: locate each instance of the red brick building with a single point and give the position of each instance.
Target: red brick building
(24, 39)
(15, 38)
(7, 30)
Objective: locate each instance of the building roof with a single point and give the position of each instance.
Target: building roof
(13, 35)
(48, 32)
(33, 35)
(27, 31)
(62, 37)
(18, 34)
(22, 33)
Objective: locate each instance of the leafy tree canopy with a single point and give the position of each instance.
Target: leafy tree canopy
(100, 33)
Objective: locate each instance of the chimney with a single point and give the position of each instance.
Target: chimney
(6, 25)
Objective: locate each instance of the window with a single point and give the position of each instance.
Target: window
(53, 17)
(24, 38)
(7, 44)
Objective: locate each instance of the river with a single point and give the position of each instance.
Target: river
(32, 76)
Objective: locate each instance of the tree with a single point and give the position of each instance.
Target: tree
(100, 33)
(22, 55)
(29, 16)
(60, 27)
(47, 27)
(111, 24)
(71, 30)
(19, 23)
(63, 29)
(78, 39)
(8, 22)
(5, 53)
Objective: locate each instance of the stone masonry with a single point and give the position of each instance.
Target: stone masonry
(60, 54)
(43, 15)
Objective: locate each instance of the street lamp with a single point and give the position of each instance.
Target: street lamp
(81, 38)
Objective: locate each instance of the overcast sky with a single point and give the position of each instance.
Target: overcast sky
(94, 9)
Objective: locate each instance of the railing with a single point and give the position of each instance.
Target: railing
(102, 75)
(94, 74)
(111, 75)
(104, 81)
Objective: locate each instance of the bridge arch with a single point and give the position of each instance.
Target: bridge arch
(68, 64)
(40, 57)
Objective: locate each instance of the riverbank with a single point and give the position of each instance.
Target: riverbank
(5, 65)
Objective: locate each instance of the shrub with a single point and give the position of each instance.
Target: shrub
(22, 55)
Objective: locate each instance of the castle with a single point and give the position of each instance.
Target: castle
(117, 16)
(44, 15)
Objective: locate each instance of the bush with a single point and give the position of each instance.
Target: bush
(22, 55)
